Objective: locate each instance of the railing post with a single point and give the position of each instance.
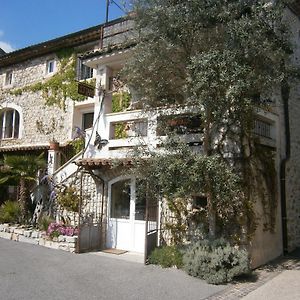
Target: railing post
(53, 161)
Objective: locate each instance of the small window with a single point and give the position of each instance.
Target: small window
(199, 201)
(50, 66)
(8, 78)
(9, 124)
(87, 120)
(83, 71)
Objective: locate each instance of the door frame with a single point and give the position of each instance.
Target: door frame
(132, 223)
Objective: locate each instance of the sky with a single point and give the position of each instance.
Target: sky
(27, 22)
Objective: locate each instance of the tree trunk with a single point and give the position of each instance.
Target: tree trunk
(22, 198)
(211, 212)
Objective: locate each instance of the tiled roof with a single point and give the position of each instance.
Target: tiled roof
(107, 50)
(104, 162)
(70, 40)
(23, 148)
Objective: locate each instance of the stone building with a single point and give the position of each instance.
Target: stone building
(111, 214)
(29, 120)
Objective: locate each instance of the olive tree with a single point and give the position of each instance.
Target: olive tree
(225, 59)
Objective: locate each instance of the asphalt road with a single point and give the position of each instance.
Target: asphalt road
(32, 272)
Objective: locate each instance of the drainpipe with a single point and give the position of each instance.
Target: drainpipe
(285, 93)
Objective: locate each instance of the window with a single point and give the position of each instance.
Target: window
(83, 71)
(262, 128)
(120, 199)
(9, 124)
(199, 201)
(179, 124)
(87, 120)
(50, 66)
(8, 78)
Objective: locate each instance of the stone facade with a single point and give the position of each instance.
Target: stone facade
(293, 163)
(56, 122)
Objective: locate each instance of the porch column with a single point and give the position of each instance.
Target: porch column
(53, 161)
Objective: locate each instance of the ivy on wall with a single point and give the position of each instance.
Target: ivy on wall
(62, 85)
(120, 101)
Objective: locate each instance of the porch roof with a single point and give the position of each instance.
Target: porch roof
(23, 148)
(97, 163)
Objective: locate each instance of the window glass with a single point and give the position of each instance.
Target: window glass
(16, 125)
(120, 200)
(9, 124)
(87, 120)
(84, 72)
(140, 201)
(1, 123)
(9, 115)
(8, 78)
(179, 124)
(50, 66)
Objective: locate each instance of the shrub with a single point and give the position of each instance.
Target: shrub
(216, 262)
(166, 256)
(69, 199)
(10, 212)
(44, 223)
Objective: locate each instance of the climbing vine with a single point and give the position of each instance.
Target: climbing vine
(61, 85)
(120, 101)
(69, 198)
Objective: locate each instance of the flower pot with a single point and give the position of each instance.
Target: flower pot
(54, 146)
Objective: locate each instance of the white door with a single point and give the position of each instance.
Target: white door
(126, 216)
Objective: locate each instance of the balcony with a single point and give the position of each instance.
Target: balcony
(265, 130)
(129, 129)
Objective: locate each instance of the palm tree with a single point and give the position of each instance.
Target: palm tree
(22, 169)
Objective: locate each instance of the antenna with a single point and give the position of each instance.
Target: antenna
(107, 10)
(108, 2)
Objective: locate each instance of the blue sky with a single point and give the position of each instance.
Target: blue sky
(28, 22)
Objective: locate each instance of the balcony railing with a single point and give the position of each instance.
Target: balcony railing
(262, 128)
(129, 129)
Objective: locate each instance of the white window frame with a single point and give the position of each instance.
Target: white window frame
(84, 70)
(9, 78)
(50, 66)
(13, 124)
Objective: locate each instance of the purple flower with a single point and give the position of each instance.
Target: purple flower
(56, 229)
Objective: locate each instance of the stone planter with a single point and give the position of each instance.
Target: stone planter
(36, 237)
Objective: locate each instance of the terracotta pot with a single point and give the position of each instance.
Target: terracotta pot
(54, 146)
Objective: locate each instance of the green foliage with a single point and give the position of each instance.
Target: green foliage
(78, 145)
(216, 262)
(120, 101)
(22, 169)
(61, 85)
(182, 173)
(10, 212)
(223, 59)
(120, 131)
(44, 222)
(166, 256)
(21, 166)
(69, 198)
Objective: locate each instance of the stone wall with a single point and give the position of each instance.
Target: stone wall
(31, 105)
(36, 237)
(293, 164)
